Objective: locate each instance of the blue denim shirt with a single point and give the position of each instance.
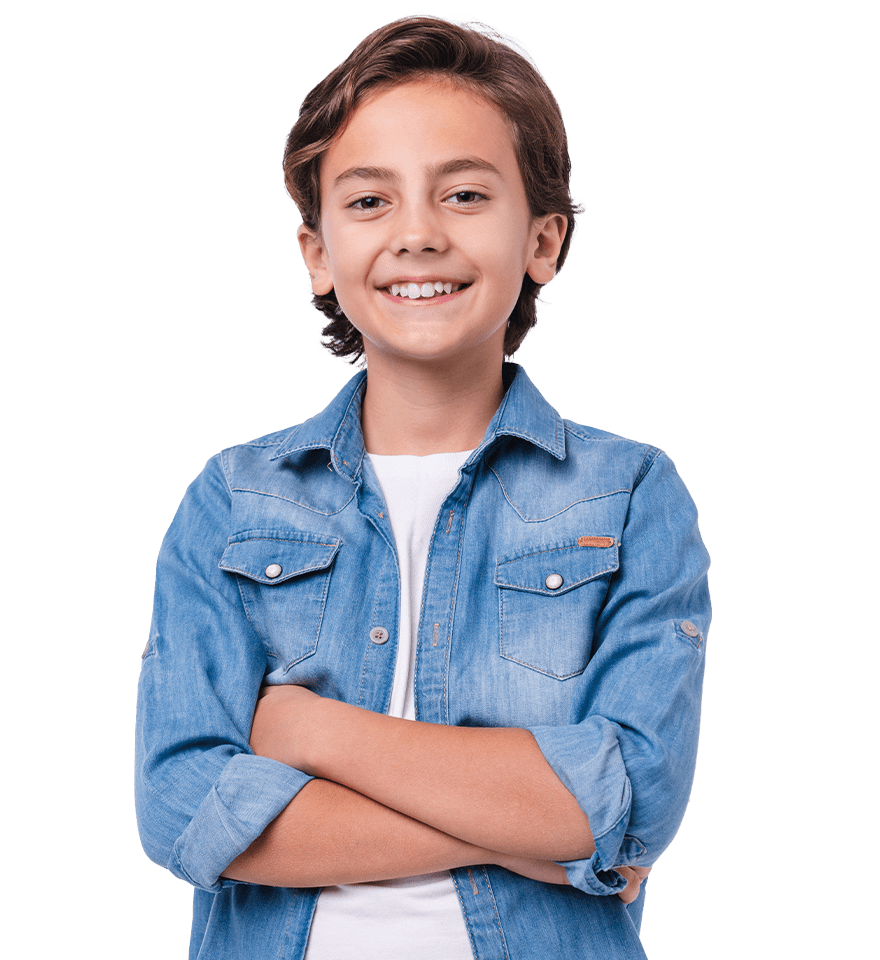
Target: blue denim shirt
(565, 593)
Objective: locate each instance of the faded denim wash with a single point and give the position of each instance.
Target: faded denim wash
(605, 668)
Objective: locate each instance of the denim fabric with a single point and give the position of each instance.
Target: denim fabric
(604, 667)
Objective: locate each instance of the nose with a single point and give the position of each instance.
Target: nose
(419, 229)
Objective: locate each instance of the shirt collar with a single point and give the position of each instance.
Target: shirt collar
(523, 413)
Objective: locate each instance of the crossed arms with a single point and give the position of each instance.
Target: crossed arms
(394, 798)
(397, 798)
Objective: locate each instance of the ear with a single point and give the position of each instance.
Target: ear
(548, 232)
(315, 255)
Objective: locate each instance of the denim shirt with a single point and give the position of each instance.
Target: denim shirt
(565, 593)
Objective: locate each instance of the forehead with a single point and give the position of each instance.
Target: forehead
(422, 124)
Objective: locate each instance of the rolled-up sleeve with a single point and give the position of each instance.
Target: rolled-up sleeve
(629, 757)
(202, 796)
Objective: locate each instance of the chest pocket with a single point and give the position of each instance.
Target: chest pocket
(549, 600)
(283, 576)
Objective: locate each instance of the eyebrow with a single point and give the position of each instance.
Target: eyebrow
(435, 171)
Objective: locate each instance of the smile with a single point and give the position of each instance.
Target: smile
(423, 291)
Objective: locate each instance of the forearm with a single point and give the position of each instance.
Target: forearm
(489, 787)
(330, 834)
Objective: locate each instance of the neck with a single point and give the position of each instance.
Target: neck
(422, 410)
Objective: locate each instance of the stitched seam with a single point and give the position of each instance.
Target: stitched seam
(464, 914)
(497, 917)
(547, 592)
(356, 397)
(287, 925)
(464, 510)
(546, 673)
(538, 441)
(576, 429)
(244, 603)
(428, 560)
(619, 820)
(319, 444)
(653, 453)
(554, 549)
(530, 666)
(223, 467)
(311, 543)
(522, 516)
(314, 646)
(305, 506)
(370, 645)
(277, 580)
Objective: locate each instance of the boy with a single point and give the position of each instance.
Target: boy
(477, 628)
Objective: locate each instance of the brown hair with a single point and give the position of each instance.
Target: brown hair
(413, 48)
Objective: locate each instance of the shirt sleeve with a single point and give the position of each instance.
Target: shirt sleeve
(202, 796)
(629, 761)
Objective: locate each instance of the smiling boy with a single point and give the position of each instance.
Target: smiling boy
(478, 629)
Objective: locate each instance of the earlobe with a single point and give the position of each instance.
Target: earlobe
(314, 254)
(549, 233)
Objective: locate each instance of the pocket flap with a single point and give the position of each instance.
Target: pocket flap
(273, 556)
(556, 570)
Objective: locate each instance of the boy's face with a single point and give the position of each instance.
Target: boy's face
(423, 191)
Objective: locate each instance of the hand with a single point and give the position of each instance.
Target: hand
(634, 877)
(280, 727)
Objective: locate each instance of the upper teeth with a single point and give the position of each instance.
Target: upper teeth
(415, 290)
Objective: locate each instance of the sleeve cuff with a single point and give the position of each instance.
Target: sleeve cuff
(588, 761)
(247, 797)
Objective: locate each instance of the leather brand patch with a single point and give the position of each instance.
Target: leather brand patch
(595, 541)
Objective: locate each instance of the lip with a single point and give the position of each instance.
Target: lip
(427, 278)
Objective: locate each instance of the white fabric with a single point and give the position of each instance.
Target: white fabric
(417, 916)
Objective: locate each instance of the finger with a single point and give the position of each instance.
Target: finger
(633, 886)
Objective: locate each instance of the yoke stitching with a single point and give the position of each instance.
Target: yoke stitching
(574, 503)
(297, 503)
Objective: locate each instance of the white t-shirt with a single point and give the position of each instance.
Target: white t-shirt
(416, 916)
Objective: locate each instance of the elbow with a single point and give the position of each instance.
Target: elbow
(157, 831)
(660, 796)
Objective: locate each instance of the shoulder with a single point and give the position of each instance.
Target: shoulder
(629, 460)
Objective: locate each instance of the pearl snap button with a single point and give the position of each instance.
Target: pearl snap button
(689, 628)
(378, 634)
(553, 582)
(273, 571)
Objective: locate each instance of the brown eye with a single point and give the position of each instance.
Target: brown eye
(367, 203)
(465, 198)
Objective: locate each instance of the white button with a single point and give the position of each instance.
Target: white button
(273, 571)
(689, 628)
(378, 634)
(553, 582)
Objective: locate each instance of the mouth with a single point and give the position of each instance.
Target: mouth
(423, 290)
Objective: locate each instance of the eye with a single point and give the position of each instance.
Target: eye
(367, 203)
(465, 198)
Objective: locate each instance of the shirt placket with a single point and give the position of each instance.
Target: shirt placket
(433, 651)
